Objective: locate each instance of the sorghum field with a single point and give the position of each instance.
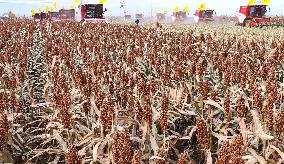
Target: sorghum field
(110, 93)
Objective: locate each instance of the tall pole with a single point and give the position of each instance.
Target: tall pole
(151, 10)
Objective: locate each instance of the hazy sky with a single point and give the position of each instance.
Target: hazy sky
(222, 7)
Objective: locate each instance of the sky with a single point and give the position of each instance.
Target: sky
(222, 7)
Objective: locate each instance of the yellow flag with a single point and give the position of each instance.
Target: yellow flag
(185, 9)
(176, 9)
(54, 5)
(202, 6)
(39, 10)
(102, 1)
(46, 9)
(165, 11)
(265, 2)
(62, 7)
(77, 1)
(72, 7)
(33, 12)
(251, 2)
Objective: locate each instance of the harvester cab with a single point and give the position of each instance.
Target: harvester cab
(67, 14)
(93, 13)
(179, 16)
(252, 15)
(203, 16)
(160, 17)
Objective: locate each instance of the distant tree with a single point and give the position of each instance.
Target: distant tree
(10, 14)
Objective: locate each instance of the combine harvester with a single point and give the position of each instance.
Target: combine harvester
(255, 15)
(160, 17)
(180, 16)
(139, 16)
(92, 13)
(85, 12)
(127, 17)
(203, 15)
(40, 16)
(66, 14)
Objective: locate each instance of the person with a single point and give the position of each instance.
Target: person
(137, 22)
(253, 23)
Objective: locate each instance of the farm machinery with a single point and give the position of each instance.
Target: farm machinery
(61, 15)
(53, 16)
(179, 16)
(67, 14)
(138, 16)
(127, 17)
(160, 17)
(203, 16)
(92, 13)
(40, 16)
(255, 16)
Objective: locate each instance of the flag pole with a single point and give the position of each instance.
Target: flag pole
(151, 10)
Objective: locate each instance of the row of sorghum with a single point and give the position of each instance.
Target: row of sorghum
(107, 112)
(4, 129)
(72, 156)
(203, 135)
(121, 149)
(164, 112)
(62, 101)
(231, 153)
